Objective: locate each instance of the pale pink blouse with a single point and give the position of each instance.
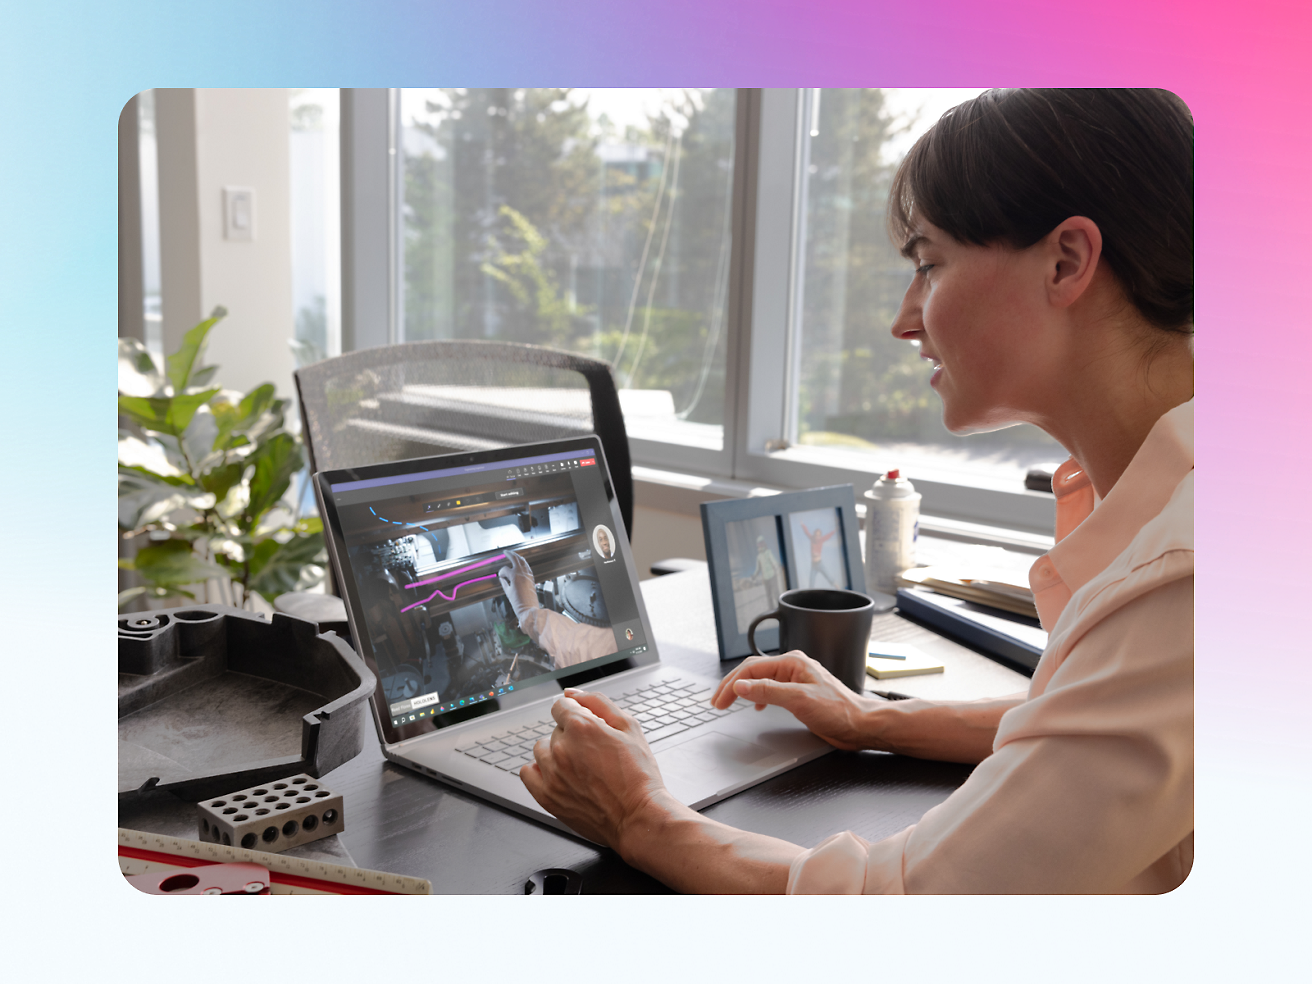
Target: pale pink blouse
(1090, 787)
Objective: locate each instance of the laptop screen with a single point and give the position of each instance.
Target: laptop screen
(475, 580)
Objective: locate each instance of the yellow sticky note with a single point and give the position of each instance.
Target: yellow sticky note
(913, 661)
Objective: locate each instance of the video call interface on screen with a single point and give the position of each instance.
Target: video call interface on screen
(474, 583)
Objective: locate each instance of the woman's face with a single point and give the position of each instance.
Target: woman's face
(978, 312)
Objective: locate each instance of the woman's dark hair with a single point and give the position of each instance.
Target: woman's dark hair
(1012, 164)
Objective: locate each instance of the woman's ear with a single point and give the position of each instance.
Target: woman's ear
(1072, 250)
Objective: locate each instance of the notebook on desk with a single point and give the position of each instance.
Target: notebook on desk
(479, 585)
(1012, 640)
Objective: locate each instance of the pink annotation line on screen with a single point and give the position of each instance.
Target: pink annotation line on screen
(462, 570)
(452, 595)
(443, 577)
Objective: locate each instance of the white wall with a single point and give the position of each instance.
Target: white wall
(131, 323)
(659, 534)
(179, 213)
(209, 139)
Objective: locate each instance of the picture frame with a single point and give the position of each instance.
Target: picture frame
(759, 547)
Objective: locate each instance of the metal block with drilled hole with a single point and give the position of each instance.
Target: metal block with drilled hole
(272, 816)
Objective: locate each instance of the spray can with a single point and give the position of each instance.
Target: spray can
(892, 525)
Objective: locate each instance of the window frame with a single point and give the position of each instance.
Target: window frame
(764, 295)
(765, 453)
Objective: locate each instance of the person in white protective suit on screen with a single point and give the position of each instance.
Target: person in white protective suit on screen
(566, 641)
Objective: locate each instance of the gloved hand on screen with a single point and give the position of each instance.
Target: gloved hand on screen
(565, 640)
(518, 584)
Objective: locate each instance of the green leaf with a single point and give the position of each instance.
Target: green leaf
(201, 377)
(180, 363)
(164, 414)
(256, 402)
(152, 456)
(221, 479)
(261, 553)
(232, 567)
(309, 524)
(276, 461)
(144, 498)
(171, 564)
(226, 416)
(174, 480)
(137, 373)
(197, 442)
(277, 568)
(235, 421)
(149, 412)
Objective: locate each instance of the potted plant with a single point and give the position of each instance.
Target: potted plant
(203, 483)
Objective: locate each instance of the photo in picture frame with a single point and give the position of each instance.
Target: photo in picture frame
(760, 547)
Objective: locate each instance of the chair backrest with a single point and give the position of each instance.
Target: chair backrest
(425, 398)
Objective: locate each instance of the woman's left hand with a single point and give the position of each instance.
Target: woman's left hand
(596, 772)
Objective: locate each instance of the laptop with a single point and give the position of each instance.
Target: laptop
(480, 585)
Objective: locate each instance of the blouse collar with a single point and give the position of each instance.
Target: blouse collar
(1091, 534)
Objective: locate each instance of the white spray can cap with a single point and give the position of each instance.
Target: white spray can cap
(891, 485)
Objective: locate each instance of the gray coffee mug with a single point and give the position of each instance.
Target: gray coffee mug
(830, 626)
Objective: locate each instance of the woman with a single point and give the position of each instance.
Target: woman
(1052, 237)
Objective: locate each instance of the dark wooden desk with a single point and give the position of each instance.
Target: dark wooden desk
(403, 822)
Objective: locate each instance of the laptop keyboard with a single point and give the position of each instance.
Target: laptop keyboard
(663, 709)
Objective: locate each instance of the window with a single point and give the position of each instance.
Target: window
(590, 220)
(315, 224)
(831, 396)
(858, 390)
(148, 178)
(723, 249)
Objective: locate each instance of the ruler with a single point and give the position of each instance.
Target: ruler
(140, 852)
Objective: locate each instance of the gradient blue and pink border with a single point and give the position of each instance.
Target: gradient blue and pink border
(68, 67)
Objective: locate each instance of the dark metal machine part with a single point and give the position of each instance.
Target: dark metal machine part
(583, 600)
(404, 822)
(212, 698)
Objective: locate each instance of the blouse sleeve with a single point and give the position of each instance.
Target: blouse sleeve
(835, 866)
(1089, 786)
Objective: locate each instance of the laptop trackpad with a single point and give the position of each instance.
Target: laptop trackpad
(710, 763)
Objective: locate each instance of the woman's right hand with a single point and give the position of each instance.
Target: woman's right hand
(799, 684)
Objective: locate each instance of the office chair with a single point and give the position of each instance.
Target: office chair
(423, 398)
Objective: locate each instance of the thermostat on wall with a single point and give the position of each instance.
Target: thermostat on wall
(239, 214)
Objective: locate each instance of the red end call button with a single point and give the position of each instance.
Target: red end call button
(587, 461)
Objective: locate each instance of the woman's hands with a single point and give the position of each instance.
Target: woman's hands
(947, 731)
(596, 771)
(815, 697)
